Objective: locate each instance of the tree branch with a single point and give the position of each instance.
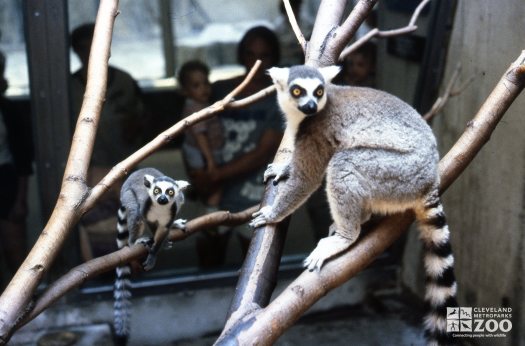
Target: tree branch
(75, 197)
(411, 27)
(264, 326)
(295, 26)
(442, 100)
(17, 295)
(121, 169)
(87, 271)
(328, 38)
(259, 271)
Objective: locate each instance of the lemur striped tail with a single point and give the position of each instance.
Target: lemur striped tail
(441, 286)
(121, 290)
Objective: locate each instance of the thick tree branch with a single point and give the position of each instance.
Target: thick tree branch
(411, 27)
(259, 272)
(17, 295)
(264, 326)
(75, 197)
(328, 38)
(327, 21)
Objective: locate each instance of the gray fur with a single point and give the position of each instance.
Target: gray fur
(378, 155)
(141, 206)
(301, 71)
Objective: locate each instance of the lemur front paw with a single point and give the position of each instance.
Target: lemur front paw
(326, 248)
(262, 217)
(149, 263)
(179, 224)
(279, 171)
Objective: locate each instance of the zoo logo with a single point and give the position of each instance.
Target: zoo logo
(462, 320)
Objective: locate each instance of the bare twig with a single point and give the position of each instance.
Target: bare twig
(122, 168)
(87, 271)
(448, 93)
(252, 98)
(264, 326)
(295, 26)
(442, 100)
(411, 27)
(463, 86)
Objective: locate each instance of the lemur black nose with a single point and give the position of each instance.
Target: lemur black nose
(162, 200)
(309, 108)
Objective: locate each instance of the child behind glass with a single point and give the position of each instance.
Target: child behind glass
(203, 141)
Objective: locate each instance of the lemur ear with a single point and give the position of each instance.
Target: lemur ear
(279, 76)
(182, 184)
(329, 72)
(148, 180)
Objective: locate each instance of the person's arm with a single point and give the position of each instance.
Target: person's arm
(204, 147)
(252, 160)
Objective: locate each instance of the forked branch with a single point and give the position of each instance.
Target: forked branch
(411, 27)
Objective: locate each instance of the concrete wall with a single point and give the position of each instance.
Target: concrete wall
(165, 318)
(485, 206)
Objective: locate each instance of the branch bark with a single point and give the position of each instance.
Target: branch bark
(328, 38)
(17, 295)
(294, 25)
(264, 326)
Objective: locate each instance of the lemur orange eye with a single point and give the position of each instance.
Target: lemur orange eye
(296, 92)
(319, 92)
(156, 191)
(171, 192)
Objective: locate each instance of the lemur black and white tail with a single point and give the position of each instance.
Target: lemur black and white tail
(121, 290)
(441, 286)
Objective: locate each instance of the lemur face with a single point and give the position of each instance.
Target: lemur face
(164, 190)
(301, 89)
(308, 95)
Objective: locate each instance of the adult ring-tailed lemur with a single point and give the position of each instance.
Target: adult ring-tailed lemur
(379, 156)
(150, 198)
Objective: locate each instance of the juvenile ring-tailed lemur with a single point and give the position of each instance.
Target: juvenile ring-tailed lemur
(147, 197)
(379, 156)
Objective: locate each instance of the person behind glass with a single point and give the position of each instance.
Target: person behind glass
(16, 158)
(358, 67)
(118, 135)
(203, 141)
(252, 136)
